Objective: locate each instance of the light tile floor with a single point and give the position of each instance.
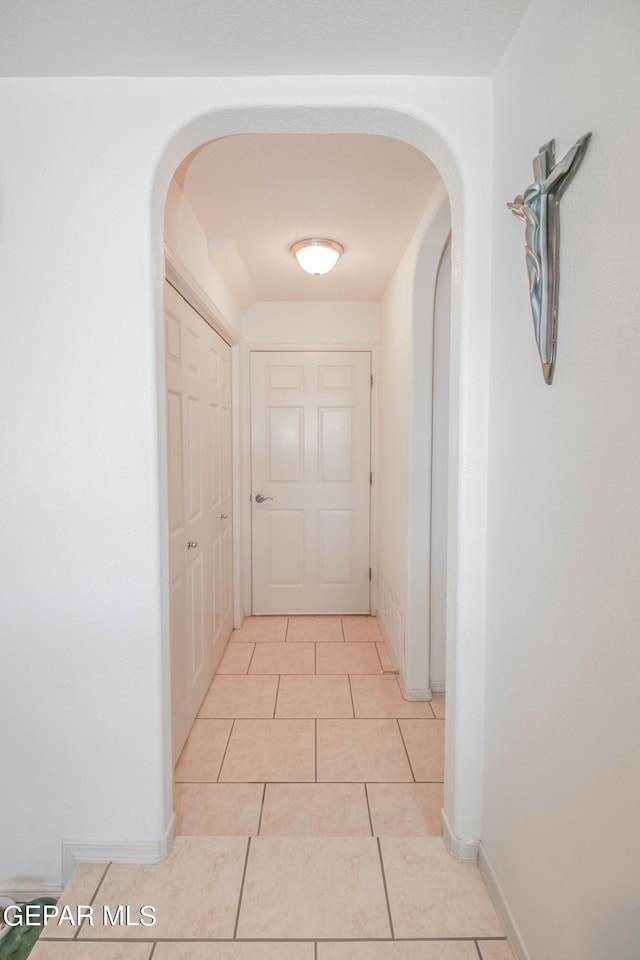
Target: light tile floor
(308, 800)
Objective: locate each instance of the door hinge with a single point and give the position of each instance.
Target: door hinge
(369, 573)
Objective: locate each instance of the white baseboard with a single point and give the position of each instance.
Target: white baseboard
(417, 694)
(391, 622)
(116, 851)
(502, 908)
(30, 890)
(465, 850)
(409, 694)
(386, 639)
(438, 686)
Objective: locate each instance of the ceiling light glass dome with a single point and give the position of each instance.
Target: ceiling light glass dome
(317, 256)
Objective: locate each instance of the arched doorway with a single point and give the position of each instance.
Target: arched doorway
(464, 768)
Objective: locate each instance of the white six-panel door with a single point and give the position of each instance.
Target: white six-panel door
(200, 538)
(310, 443)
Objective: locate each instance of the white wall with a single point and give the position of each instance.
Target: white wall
(186, 238)
(440, 476)
(312, 323)
(563, 658)
(394, 402)
(84, 171)
(404, 474)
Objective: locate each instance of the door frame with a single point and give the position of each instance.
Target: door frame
(245, 459)
(180, 277)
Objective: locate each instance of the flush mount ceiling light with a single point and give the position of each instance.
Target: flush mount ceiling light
(317, 256)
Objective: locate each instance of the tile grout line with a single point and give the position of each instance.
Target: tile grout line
(253, 653)
(244, 874)
(221, 719)
(344, 639)
(382, 670)
(386, 892)
(315, 723)
(286, 630)
(275, 703)
(153, 950)
(264, 794)
(354, 783)
(406, 751)
(478, 949)
(224, 755)
(366, 794)
(91, 902)
(315, 950)
(353, 705)
(201, 782)
(296, 939)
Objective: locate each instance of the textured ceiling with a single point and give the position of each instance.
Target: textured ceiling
(254, 37)
(261, 193)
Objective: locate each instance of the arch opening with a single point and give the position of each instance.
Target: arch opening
(417, 133)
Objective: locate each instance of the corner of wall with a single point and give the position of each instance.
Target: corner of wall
(466, 851)
(117, 851)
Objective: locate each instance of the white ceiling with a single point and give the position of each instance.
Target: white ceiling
(254, 37)
(255, 195)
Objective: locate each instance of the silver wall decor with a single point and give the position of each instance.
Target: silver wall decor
(539, 207)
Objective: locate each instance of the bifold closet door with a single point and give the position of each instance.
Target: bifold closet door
(200, 507)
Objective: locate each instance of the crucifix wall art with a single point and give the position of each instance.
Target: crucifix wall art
(539, 207)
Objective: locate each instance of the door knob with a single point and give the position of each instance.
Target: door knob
(192, 544)
(224, 516)
(260, 499)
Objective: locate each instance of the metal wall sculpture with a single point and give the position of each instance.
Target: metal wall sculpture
(539, 207)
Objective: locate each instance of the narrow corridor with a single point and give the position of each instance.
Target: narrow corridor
(308, 800)
(303, 733)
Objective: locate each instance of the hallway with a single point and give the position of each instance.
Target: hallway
(304, 732)
(308, 802)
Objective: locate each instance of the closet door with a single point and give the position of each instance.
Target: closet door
(200, 546)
